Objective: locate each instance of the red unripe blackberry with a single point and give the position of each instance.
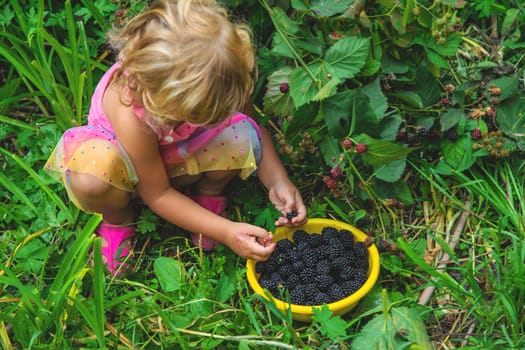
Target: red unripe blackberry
(284, 88)
(336, 172)
(347, 143)
(476, 134)
(330, 182)
(361, 148)
(401, 135)
(445, 101)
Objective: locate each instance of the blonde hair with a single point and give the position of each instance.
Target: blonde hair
(184, 60)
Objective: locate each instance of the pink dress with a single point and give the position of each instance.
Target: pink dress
(234, 144)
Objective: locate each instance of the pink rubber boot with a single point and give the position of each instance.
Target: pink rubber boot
(114, 247)
(215, 204)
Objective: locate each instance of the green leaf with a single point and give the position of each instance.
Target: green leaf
(410, 97)
(511, 119)
(281, 20)
(330, 150)
(398, 190)
(328, 8)
(375, 94)
(302, 86)
(451, 118)
(225, 287)
(384, 331)
(330, 326)
(392, 171)
(458, 153)
(511, 16)
(327, 90)
(275, 101)
(337, 113)
(427, 86)
(170, 272)
(303, 118)
(508, 86)
(381, 152)
(348, 55)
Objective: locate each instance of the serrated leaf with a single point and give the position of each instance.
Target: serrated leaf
(281, 20)
(279, 47)
(276, 102)
(508, 86)
(330, 150)
(458, 153)
(427, 86)
(398, 190)
(304, 117)
(410, 97)
(337, 113)
(331, 326)
(328, 8)
(380, 152)
(328, 89)
(383, 331)
(375, 93)
(348, 55)
(451, 118)
(302, 86)
(170, 273)
(392, 171)
(511, 119)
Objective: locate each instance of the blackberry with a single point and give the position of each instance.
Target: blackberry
(347, 143)
(337, 293)
(291, 215)
(324, 282)
(452, 135)
(422, 131)
(321, 298)
(322, 267)
(346, 238)
(297, 294)
(283, 245)
(307, 274)
(300, 235)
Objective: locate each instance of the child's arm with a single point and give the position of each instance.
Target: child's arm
(282, 192)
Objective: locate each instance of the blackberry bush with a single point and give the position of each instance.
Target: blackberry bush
(315, 269)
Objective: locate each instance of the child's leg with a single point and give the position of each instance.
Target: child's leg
(96, 195)
(207, 189)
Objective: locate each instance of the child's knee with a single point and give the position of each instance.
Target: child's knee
(86, 185)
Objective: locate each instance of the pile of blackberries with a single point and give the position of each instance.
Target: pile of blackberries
(315, 269)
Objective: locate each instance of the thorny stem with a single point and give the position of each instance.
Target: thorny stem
(369, 191)
(287, 42)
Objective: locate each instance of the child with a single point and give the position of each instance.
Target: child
(164, 126)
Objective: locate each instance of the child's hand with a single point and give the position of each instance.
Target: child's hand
(289, 202)
(250, 241)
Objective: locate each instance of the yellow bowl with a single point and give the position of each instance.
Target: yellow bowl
(304, 313)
